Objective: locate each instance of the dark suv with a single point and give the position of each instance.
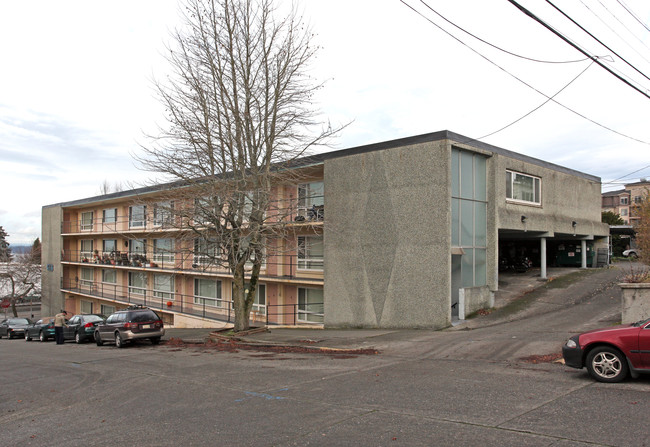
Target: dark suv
(132, 323)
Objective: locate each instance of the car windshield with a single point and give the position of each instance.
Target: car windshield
(19, 321)
(92, 318)
(641, 322)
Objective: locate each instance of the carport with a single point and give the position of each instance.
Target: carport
(535, 246)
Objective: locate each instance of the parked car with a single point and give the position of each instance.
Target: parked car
(631, 253)
(14, 327)
(43, 329)
(611, 354)
(82, 327)
(132, 323)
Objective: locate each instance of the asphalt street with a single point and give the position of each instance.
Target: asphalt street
(488, 382)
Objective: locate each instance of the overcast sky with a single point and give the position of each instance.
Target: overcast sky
(76, 92)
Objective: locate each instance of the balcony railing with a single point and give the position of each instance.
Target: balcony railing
(294, 267)
(197, 306)
(287, 211)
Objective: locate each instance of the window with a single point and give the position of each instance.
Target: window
(86, 249)
(162, 214)
(137, 283)
(638, 199)
(109, 276)
(137, 215)
(311, 201)
(109, 246)
(87, 221)
(86, 277)
(138, 247)
(207, 292)
(109, 215)
(523, 188)
(86, 307)
(259, 304)
(205, 251)
(310, 252)
(206, 210)
(163, 250)
(625, 201)
(105, 309)
(163, 286)
(310, 305)
(623, 211)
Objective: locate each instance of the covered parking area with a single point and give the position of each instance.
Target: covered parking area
(545, 249)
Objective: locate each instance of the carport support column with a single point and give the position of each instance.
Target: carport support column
(542, 259)
(583, 252)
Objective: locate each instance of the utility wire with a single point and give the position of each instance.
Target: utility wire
(495, 46)
(561, 36)
(627, 175)
(519, 79)
(632, 14)
(597, 39)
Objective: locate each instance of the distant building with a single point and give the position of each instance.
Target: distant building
(622, 201)
(407, 233)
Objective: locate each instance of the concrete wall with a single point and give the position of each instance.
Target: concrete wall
(635, 302)
(51, 246)
(387, 238)
(475, 298)
(565, 198)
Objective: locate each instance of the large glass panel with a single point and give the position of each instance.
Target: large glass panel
(467, 268)
(310, 252)
(205, 252)
(109, 276)
(466, 175)
(137, 283)
(509, 184)
(480, 269)
(163, 250)
(208, 292)
(311, 201)
(480, 178)
(137, 216)
(523, 188)
(466, 223)
(110, 215)
(310, 305)
(86, 277)
(162, 214)
(163, 286)
(480, 224)
(86, 249)
(109, 245)
(87, 221)
(455, 222)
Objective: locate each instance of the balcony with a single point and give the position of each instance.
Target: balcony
(214, 308)
(289, 268)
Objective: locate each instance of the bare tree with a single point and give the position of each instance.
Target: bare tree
(239, 110)
(21, 278)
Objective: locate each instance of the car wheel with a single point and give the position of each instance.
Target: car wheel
(77, 338)
(119, 343)
(27, 337)
(98, 339)
(155, 340)
(10, 335)
(607, 364)
(41, 336)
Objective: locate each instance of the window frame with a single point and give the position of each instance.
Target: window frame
(139, 223)
(114, 219)
(304, 260)
(303, 312)
(203, 300)
(536, 190)
(83, 222)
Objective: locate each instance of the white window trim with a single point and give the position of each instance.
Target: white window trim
(201, 300)
(307, 260)
(87, 226)
(524, 202)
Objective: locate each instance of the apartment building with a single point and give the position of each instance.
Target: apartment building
(403, 233)
(618, 202)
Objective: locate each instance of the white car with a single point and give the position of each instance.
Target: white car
(631, 253)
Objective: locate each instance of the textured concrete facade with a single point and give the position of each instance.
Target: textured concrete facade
(52, 271)
(387, 238)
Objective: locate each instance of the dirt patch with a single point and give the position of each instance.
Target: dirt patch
(236, 346)
(547, 358)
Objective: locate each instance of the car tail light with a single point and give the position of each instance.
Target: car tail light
(89, 325)
(130, 325)
(158, 323)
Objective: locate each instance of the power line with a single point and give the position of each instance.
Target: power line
(627, 175)
(632, 14)
(519, 79)
(596, 39)
(495, 46)
(561, 36)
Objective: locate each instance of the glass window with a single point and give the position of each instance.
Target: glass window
(109, 276)
(109, 215)
(163, 286)
(624, 201)
(163, 250)
(624, 212)
(523, 187)
(206, 251)
(87, 221)
(310, 252)
(138, 246)
(137, 215)
(310, 305)
(109, 245)
(162, 214)
(259, 304)
(86, 276)
(311, 201)
(86, 249)
(466, 175)
(137, 283)
(105, 309)
(208, 292)
(86, 307)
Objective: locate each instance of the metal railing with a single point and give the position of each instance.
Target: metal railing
(270, 314)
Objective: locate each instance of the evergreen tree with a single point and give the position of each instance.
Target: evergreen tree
(5, 251)
(36, 251)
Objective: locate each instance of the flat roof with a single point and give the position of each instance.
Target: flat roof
(316, 159)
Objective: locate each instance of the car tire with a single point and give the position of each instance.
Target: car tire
(119, 343)
(27, 337)
(607, 364)
(41, 336)
(98, 339)
(155, 340)
(10, 335)
(77, 338)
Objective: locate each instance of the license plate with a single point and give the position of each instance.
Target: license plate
(146, 326)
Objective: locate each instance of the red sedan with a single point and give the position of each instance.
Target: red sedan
(611, 354)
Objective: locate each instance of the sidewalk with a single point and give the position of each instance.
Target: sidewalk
(519, 296)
